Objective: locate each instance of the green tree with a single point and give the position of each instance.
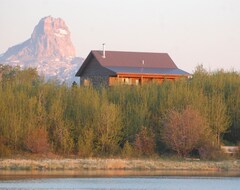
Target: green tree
(108, 129)
(218, 119)
(86, 142)
(127, 150)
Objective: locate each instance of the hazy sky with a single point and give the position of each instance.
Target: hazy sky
(192, 31)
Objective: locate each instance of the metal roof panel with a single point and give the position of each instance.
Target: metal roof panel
(157, 71)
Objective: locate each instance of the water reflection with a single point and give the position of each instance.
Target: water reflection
(9, 175)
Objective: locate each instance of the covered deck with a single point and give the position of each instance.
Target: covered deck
(139, 79)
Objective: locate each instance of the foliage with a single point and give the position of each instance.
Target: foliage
(108, 128)
(108, 121)
(145, 142)
(85, 142)
(183, 131)
(217, 116)
(36, 141)
(4, 150)
(128, 151)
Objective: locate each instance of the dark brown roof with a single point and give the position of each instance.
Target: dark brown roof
(134, 59)
(134, 62)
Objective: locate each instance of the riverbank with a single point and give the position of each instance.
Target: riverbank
(118, 164)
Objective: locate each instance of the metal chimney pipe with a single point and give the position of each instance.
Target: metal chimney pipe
(104, 54)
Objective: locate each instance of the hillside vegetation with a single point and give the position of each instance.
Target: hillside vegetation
(186, 117)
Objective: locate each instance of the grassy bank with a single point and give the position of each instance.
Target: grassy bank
(117, 164)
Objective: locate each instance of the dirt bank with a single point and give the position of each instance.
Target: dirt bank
(117, 164)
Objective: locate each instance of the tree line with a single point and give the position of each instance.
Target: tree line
(185, 117)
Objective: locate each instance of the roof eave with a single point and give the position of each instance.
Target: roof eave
(153, 74)
(83, 66)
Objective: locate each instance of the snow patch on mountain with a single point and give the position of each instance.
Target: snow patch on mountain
(62, 31)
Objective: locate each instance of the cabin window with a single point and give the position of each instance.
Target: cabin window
(86, 82)
(137, 81)
(127, 81)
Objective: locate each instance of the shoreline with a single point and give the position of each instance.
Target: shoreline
(93, 164)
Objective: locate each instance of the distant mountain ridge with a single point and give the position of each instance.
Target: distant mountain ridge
(49, 49)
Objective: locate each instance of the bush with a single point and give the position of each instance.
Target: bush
(127, 151)
(37, 141)
(209, 152)
(4, 150)
(85, 142)
(184, 131)
(145, 142)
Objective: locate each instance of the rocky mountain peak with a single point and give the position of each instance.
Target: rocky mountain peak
(49, 49)
(51, 38)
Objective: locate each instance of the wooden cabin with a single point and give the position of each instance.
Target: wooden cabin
(131, 68)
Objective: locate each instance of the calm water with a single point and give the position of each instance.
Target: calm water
(135, 181)
(148, 183)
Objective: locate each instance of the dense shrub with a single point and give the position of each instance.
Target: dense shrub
(36, 141)
(108, 121)
(184, 131)
(86, 142)
(145, 142)
(5, 151)
(128, 150)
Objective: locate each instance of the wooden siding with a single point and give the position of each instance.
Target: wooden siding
(132, 81)
(95, 74)
(136, 79)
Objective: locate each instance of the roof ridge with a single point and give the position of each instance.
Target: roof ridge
(139, 67)
(114, 51)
